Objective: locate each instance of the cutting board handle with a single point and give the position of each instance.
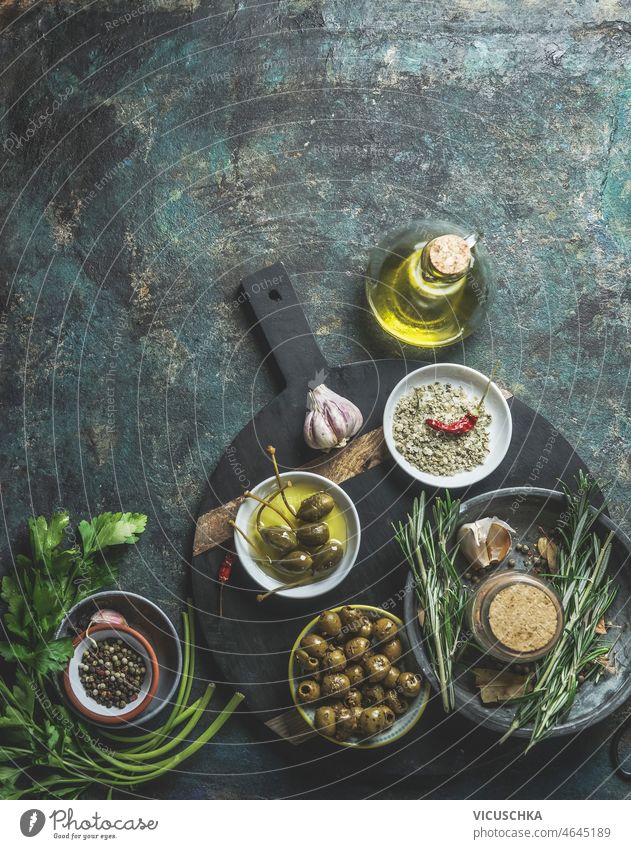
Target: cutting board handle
(282, 322)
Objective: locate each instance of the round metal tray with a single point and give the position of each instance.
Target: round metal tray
(525, 508)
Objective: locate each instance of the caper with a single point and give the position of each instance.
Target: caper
(282, 539)
(315, 507)
(295, 561)
(329, 555)
(313, 535)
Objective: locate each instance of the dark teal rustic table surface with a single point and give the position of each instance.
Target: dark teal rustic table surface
(154, 153)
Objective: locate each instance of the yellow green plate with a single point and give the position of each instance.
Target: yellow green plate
(401, 725)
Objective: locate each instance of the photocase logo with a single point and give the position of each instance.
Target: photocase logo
(32, 822)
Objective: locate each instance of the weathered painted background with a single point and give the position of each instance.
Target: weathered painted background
(148, 162)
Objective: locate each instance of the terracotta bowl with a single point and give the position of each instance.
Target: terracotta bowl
(89, 707)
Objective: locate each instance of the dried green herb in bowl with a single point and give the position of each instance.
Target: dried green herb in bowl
(447, 425)
(434, 451)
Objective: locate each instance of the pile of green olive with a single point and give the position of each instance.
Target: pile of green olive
(350, 670)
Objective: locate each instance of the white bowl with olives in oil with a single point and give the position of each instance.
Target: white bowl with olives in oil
(297, 535)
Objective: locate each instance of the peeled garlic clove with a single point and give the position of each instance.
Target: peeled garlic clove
(485, 542)
(108, 617)
(331, 420)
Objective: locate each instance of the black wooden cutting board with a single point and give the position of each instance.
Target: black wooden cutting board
(251, 642)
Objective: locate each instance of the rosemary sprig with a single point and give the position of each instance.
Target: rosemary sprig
(441, 593)
(586, 594)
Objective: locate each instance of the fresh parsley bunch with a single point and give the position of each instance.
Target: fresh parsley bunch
(55, 577)
(45, 751)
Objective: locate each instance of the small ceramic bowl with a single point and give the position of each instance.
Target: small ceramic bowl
(247, 555)
(474, 383)
(155, 626)
(85, 704)
(401, 725)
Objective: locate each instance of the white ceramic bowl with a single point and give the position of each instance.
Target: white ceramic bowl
(89, 707)
(246, 554)
(474, 383)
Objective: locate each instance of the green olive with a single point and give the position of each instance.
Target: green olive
(334, 660)
(396, 702)
(346, 723)
(314, 645)
(391, 678)
(315, 507)
(313, 535)
(366, 628)
(308, 691)
(357, 712)
(388, 715)
(372, 720)
(385, 630)
(295, 561)
(352, 618)
(324, 720)
(409, 684)
(377, 667)
(356, 648)
(356, 674)
(353, 698)
(329, 624)
(282, 539)
(335, 685)
(329, 555)
(374, 694)
(392, 650)
(306, 662)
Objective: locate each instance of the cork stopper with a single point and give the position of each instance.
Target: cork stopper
(450, 254)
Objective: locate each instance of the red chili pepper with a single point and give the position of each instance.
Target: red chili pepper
(464, 424)
(223, 576)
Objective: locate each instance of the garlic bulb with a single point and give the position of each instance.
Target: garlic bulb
(485, 542)
(331, 420)
(108, 617)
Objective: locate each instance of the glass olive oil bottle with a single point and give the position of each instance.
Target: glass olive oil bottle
(429, 284)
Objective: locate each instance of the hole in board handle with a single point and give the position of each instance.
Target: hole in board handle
(275, 295)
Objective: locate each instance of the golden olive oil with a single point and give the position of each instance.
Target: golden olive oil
(417, 302)
(269, 518)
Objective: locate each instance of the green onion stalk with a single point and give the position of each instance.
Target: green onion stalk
(83, 761)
